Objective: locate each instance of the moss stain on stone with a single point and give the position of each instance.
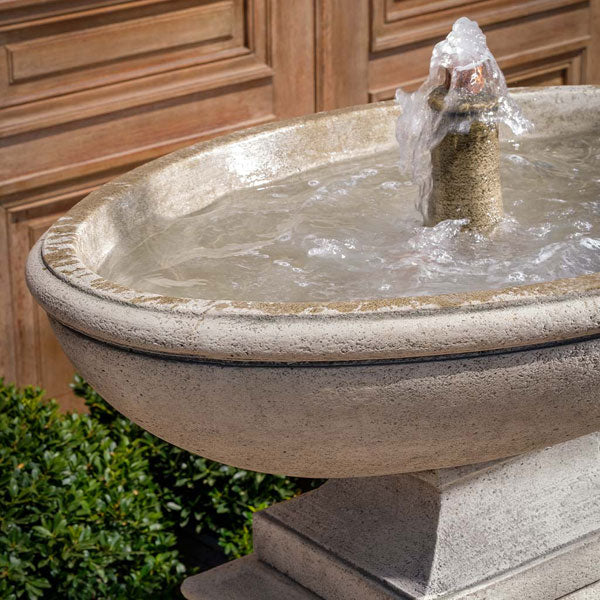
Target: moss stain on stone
(159, 300)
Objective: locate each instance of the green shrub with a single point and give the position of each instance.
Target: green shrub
(80, 514)
(92, 506)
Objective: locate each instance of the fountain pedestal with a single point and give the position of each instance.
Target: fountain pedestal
(523, 527)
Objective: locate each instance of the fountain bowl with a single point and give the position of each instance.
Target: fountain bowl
(331, 389)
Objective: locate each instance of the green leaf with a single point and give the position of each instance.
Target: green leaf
(42, 531)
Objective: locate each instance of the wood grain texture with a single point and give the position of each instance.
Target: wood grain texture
(19, 11)
(202, 26)
(558, 69)
(554, 37)
(593, 57)
(162, 66)
(342, 52)
(144, 133)
(49, 57)
(156, 112)
(7, 330)
(293, 57)
(91, 89)
(394, 25)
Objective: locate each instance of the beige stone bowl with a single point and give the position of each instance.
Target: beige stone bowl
(321, 389)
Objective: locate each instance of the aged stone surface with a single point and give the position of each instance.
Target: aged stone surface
(466, 178)
(590, 592)
(351, 420)
(244, 579)
(465, 167)
(521, 528)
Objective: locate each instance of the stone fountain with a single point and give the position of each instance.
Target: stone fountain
(458, 430)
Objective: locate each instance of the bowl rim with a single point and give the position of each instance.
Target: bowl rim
(573, 303)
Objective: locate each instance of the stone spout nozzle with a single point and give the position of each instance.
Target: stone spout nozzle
(466, 163)
(448, 130)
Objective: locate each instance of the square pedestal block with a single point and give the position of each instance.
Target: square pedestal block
(524, 528)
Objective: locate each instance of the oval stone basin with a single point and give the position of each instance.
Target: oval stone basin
(321, 389)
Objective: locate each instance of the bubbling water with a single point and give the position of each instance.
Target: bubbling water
(350, 231)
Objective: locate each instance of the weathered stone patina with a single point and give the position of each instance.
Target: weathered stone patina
(423, 382)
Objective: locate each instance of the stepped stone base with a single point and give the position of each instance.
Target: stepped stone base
(590, 592)
(250, 579)
(244, 579)
(524, 528)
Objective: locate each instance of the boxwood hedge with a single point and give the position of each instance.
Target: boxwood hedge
(92, 506)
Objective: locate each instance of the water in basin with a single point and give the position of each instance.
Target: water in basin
(351, 231)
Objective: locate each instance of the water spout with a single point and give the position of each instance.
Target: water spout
(448, 131)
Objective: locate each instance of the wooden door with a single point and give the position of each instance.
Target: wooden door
(92, 88)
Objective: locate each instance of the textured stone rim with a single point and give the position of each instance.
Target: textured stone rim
(382, 329)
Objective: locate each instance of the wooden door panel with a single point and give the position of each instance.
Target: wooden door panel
(144, 133)
(560, 37)
(81, 51)
(18, 11)
(209, 89)
(537, 42)
(293, 63)
(561, 69)
(207, 27)
(92, 88)
(398, 10)
(400, 22)
(342, 53)
(80, 67)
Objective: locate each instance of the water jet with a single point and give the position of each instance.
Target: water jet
(448, 130)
